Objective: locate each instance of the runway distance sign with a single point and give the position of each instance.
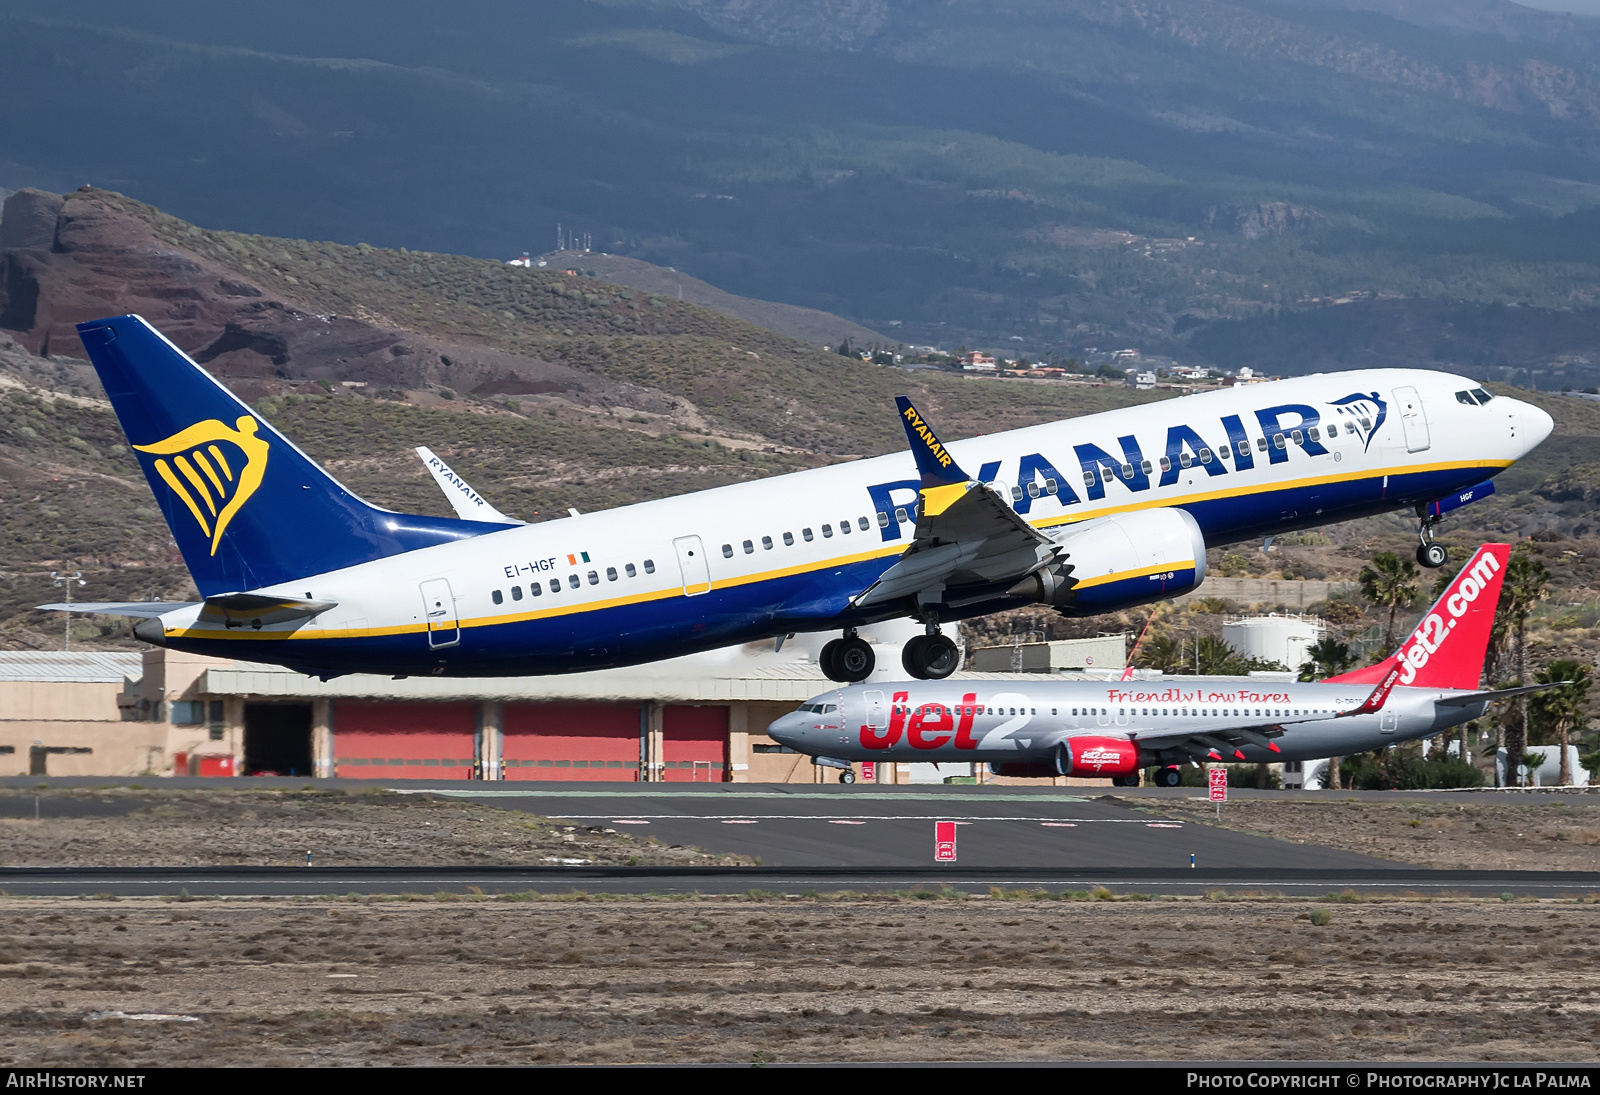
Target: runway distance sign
(1218, 782)
(944, 842)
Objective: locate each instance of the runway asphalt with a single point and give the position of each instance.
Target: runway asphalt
(821, 827)
(798, 881)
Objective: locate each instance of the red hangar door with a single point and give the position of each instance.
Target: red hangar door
(694, 744)
(571, 741)
(403, 740)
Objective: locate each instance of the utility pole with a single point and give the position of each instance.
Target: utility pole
(66, 580)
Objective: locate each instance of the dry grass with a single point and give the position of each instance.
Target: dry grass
(739, 980)
(1453, 831)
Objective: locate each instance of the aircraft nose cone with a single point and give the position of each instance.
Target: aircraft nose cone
(1537, 423)
(786, 730)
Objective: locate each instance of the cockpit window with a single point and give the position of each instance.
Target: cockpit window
(1483, 396)
(1466, 397)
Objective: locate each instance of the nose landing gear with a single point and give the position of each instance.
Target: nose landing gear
(847, 660)
(930, 657)
(1430, 554)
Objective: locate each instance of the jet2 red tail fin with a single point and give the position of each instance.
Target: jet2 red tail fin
(1447, 648)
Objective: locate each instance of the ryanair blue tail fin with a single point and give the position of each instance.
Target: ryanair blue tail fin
(247, 508)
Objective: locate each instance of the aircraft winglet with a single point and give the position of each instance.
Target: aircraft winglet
(934, 462)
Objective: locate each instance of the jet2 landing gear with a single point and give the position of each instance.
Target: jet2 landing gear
(1169, 777)
(1429, 553)
(847, 776)
(847, 660)
(930, 657)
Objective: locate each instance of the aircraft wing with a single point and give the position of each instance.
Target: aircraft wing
(1216, 743)
(468, 503)
(137, 609)
(966, 533)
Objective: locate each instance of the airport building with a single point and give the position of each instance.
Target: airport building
(701, 718)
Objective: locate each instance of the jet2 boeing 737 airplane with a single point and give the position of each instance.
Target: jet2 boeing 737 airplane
(1116, 728)
(1089, 515)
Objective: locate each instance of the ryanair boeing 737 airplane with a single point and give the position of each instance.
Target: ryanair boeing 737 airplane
(1088, 515)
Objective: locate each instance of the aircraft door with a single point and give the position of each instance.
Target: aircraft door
(1124, 716)
(877, 710)
(1102, 716)
(439, 606)
(1390, 721)
(693, 565)
(1413, 420)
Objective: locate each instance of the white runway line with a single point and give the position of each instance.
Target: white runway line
(735, 818)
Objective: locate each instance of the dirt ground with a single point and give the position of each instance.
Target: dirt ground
(122, 827)
(746, 980)
(1532, 833)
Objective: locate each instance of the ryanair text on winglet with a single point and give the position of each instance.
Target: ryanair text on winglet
(927, 436)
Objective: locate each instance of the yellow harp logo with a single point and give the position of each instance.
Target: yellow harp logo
(218, 469)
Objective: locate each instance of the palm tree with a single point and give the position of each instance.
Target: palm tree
(1390, 582)
(1526, 584)
(1561, 709)
(1161, 651)
(1327, 657)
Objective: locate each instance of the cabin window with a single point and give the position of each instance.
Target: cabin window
(1277, 441)
(1088, 478)
(535, 589)
(727, 551)
(594, 579)
(827, 531)
(1127, 471)
(1244, 448)
(573, 581)
(766, 543)
(1296, 436)
(863, 524)
(844, 527)
(497, 597)
(649, 566)
(1205, 456)
(1316, 434)
(516, 593)
(1144, 466)
(1261, 444)
(1166, 465)
(1033, 490)
(611, 574)
(1016, 494)
(1366, 423)
(1333, 430)
(629, 571)
(1051, 486)
(788, 539)
(555, 585)
(883, 520)
(1184, 459)
(900, 515)
(805, 534)
(749, 548)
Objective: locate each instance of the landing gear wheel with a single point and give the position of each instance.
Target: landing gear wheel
(1432, 555)
(828, 660)
(1169, 777)
(1125, 781)
(854, 660)
(847, 776)
(930, 657)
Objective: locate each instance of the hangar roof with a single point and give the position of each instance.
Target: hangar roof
(70, 666)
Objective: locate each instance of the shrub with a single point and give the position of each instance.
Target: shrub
(1397, 770)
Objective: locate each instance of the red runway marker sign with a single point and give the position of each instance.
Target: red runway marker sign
(944, 842)
(1218, 782)
(869, 771)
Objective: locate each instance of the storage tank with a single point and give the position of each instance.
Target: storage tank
(1274, 638)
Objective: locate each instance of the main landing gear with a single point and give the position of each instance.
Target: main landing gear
(1169, 776)
(930, 657)
(848, 659)
(1430, 554)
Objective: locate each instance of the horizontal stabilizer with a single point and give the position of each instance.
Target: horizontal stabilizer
(237, 606)
(1497, 694)
(139, 609)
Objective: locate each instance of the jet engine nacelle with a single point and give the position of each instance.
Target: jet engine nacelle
(1112, 563)
(1097, 756)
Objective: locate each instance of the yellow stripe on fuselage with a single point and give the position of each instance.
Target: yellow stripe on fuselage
(895, 548)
